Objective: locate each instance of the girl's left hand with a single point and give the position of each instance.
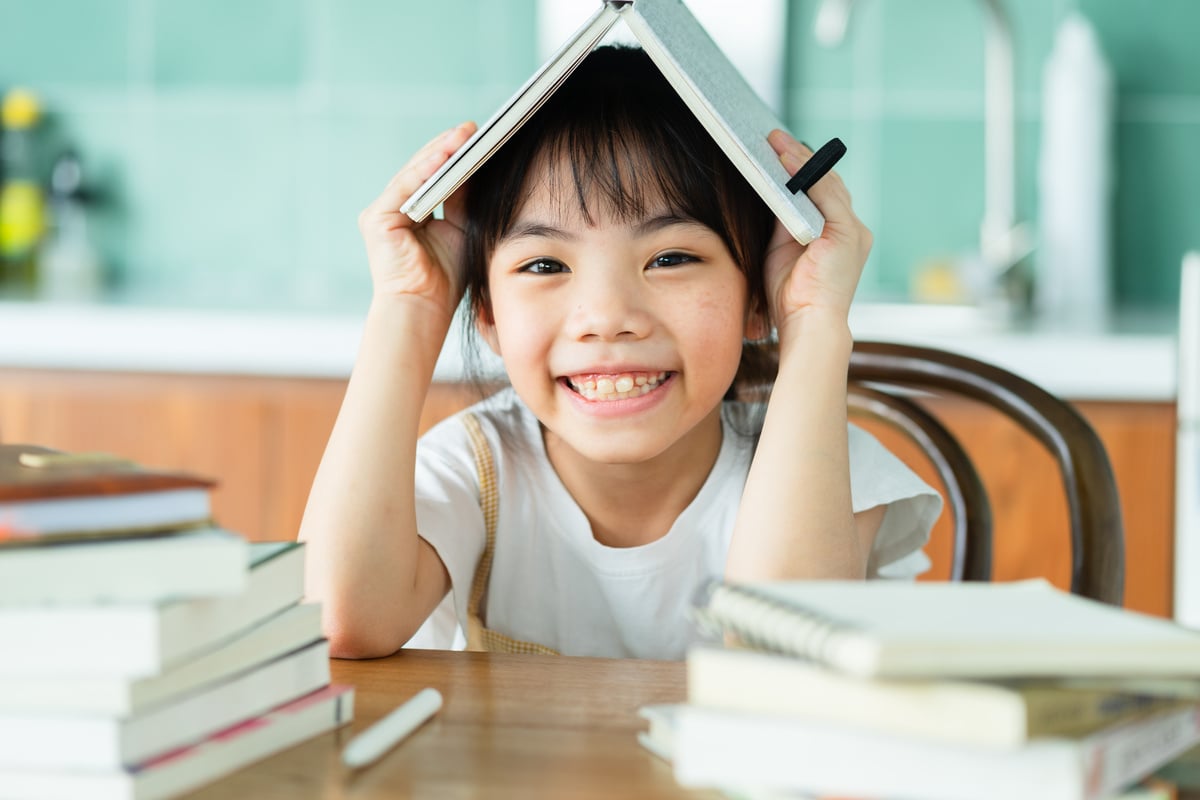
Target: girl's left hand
(820, 278)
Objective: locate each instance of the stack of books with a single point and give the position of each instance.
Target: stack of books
(144, 651)
(930, 692)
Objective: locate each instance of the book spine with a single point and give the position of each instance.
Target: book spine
(1118, 756)
(715, 749)
(191, 767)
(1074, 712)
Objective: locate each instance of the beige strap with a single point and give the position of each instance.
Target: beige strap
(479, 637)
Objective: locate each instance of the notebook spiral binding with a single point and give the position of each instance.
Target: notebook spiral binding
(765, 623)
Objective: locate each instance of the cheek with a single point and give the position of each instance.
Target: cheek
(717, 320)
(721, 312)
(520, 329)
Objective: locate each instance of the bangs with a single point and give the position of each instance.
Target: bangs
(615, 141)
(623, 168)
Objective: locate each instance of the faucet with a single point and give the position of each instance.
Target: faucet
(1003, 242)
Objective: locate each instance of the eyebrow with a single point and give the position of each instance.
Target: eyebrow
(542, 230)
(534, 230)
(668, 220)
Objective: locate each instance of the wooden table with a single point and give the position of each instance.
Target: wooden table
(511, 726)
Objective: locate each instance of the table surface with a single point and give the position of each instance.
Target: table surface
(511, 726)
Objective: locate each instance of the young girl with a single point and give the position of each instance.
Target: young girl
(626, 275)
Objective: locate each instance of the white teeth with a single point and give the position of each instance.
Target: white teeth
(618, 388)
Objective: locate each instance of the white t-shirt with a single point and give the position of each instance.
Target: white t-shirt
(553, 584)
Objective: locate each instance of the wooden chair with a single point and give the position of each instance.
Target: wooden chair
(886, 383)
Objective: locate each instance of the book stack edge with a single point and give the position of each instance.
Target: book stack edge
(930, 691)
(147, 651)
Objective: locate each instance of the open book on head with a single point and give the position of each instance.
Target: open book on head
(736, 118)
(969, 630)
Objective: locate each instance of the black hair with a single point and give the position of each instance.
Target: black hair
(630, 145)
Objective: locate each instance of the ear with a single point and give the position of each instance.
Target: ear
(758, 327)
(485, 326)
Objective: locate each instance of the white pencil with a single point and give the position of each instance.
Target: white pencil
(392, 729)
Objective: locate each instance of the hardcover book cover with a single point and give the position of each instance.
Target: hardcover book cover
(737, 119)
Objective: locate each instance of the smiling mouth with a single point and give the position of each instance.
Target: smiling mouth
(621, 386)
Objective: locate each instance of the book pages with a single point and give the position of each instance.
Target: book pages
(722, 100)
(736, 117)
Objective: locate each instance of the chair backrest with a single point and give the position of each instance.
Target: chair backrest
(886, 381)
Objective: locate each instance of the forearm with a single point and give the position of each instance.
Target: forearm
(796, 519)
(360, 520)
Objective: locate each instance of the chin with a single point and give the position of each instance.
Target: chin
(615, 450)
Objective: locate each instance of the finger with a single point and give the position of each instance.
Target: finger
(458, 133)
(419, 168)
(794, 154)
(829, 194)
(831, 197)
(791, 151)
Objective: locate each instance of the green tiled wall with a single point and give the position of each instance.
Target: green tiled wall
(904, 91)
(234, 141)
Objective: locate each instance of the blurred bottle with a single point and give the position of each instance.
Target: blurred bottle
(22, 200)
(69, 268)
(1075, 179)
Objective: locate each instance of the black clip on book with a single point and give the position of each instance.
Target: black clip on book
(815, 168)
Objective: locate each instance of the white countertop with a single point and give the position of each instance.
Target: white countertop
(1129, 361)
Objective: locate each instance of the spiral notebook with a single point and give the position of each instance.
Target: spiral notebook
(970, 630)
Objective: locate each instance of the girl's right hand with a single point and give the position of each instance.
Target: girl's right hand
(411, 259)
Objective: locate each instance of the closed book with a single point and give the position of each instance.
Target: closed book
(659, 736)
(116, 696)
(85, 741)
(192, 767)
(714, 748)
(199, 562)
(45, 492)
(711, 87)
(972, 630)
(139, 639)
(994, 713)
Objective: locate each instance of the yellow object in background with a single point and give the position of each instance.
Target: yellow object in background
(22, 198)
(20, 110)
(22, 217)
(937, 282)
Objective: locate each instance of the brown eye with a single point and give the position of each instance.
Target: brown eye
(544, 266)
(672, 260)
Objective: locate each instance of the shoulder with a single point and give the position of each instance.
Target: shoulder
(879, 478)
(869, 455)
(505, 432)
(498, 415)
(503, 412)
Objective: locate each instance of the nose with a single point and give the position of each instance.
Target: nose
(609, 305)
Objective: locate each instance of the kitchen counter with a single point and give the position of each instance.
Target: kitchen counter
(1131, 359)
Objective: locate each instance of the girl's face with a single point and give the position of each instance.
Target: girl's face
(622, 337)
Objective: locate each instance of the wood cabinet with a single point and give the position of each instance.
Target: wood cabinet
(260, 438)
(263, 437)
